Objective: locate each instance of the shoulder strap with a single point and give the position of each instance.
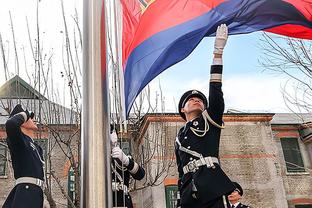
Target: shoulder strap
(191, 152)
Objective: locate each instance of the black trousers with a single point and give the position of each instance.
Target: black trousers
(24, 196)
(216, 203)
(122, 200)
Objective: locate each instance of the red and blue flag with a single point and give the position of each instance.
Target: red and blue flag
(160, 33)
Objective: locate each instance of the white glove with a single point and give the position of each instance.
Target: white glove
(114, 138)
(221, 38)
(118, 153)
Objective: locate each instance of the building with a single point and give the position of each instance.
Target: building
(265, 153)
(59, 137)
(270, 155)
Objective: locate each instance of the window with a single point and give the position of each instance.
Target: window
(171, 196)
(292, 155)
(71, 185)
(3, 157)
(304, 206)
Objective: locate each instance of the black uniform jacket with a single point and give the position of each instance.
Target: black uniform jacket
(25, 154)
(240, 205)
(134, 170)
(27, 161)
(208, 145)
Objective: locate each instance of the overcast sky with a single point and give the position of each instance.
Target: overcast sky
(247, 86)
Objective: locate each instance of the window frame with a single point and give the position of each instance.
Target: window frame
(171, 201)
(288, 166)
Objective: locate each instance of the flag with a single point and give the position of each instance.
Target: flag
(159, 33)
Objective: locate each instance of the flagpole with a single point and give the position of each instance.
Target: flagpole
(117, 17)
(95, 164)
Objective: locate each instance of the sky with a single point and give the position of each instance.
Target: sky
(52, 39)
(247, 86)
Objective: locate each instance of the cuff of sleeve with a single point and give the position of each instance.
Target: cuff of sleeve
(215, 77)
(216, 69)
(23, 114)
(131, 164)
(135, 168)
(216, 73)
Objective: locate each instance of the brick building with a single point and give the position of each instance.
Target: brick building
(58, 124)
(265, 153)
(270, 155)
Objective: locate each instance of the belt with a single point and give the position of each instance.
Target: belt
(35, 181)
(117, 186)
(194, 165)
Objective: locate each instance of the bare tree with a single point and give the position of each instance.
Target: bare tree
(293, 58)
(154, 150)
(60, 123)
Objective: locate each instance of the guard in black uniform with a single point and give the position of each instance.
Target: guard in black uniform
(123, 167)
(235, 196)
(202, 183)
(27, 161)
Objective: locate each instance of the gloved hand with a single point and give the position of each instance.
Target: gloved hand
(114, 138)
(18, 109)
(118, 153)
(221, 38)
(29, 114)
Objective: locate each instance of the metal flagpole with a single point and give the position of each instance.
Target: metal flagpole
(120, 75)
(96, 178)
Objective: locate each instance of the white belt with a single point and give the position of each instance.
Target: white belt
(117, 186)
(194, 165)
(35, 181)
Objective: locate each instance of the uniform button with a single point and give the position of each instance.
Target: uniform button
(185, 137)
(191, 158)
(188, 147)
(197, 128)
(27, 187)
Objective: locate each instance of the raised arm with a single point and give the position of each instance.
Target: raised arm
(216, 101)
(13, 125)
(136, 171)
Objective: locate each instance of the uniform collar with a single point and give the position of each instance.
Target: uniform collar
(191, 121)
(235, 205)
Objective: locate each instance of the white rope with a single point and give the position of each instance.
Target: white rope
(206, 117)
(224, 201)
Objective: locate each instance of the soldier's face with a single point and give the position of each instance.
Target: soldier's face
(234, 197)
(30, 125)
(193, 105)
